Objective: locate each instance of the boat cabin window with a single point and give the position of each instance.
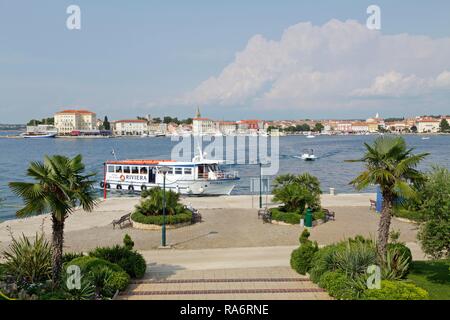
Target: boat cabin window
(178, 170)
(169, 170)
(118, 169)
(188, 171)
(110, 169)
(134, 170)
(144, 170)
(213, 167)
(126, 169)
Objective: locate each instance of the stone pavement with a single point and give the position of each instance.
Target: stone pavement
(228, 274)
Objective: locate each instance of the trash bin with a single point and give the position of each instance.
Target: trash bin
(308, 218)
(332, 191)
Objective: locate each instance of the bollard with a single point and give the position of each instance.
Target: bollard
(332, 192)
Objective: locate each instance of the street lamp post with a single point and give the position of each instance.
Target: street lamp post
(164, 171)
(260, 185)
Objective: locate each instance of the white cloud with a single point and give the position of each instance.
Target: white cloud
(330, 65)
(394, 84)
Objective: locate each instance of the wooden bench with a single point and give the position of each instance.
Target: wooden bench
(267, 217)
(196, 216)
(262, 212)
(373, 205)
(329, 215)
(122, 220)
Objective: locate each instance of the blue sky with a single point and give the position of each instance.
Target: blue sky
(166, 57)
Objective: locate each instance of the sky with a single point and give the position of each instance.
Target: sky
(233, 59)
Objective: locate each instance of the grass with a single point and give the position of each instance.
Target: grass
(433, 276)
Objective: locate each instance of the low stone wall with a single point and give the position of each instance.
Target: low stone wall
(155, 227)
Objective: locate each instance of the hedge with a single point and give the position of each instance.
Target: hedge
(158, 220)
(396, 290)
(87, 264)
(131, 261)
(293, 217)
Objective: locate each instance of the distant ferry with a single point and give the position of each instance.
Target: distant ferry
(38, 135)
(40, 131)
(199, 177)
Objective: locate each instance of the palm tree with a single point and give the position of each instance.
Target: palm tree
(391, 165)
(59, 187)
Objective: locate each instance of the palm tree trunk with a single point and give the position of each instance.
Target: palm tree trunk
(384, 225)
(57, 243)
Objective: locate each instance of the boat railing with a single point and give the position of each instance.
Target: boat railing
(219, 175)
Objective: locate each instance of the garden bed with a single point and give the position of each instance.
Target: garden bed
(143, 222)
(280, 217)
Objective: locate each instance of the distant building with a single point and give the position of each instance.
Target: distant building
(360, 127)
(428, 125)
(227, 127)
(130, 127)
(75, 120)
(202, 125)
(343, 126)
(157, 128)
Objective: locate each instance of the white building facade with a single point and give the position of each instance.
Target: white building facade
(130, 127)
(75, 120)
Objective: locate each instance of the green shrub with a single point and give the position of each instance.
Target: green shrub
(28, 261)
(93, 267)
(338, 285)
(127, 242)
(398, 261)
(304, 236)
(286, 217)
(322, 262)
(301, 258)
(117, 281)
(354, 259)
(435, 205)
(396, 290)
(131, 261)
(340, 256)
(88, 263)
(297, 192)
(69, 256)
(319, 215)
(86, 291)
(184, 217)
(152, 203)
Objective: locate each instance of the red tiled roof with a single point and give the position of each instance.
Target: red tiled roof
(75, 112)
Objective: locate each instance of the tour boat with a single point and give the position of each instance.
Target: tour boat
(198, 177)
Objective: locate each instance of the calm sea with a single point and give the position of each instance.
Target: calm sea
(330, 168)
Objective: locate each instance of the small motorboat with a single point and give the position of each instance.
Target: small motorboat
(310, 136)
(308, 155)
(425, 138)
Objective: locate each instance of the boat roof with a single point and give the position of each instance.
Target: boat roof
(159, 162)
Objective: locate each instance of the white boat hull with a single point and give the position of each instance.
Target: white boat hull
(185, 187)
(42, 136)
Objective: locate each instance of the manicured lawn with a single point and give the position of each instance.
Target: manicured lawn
(433, 276)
